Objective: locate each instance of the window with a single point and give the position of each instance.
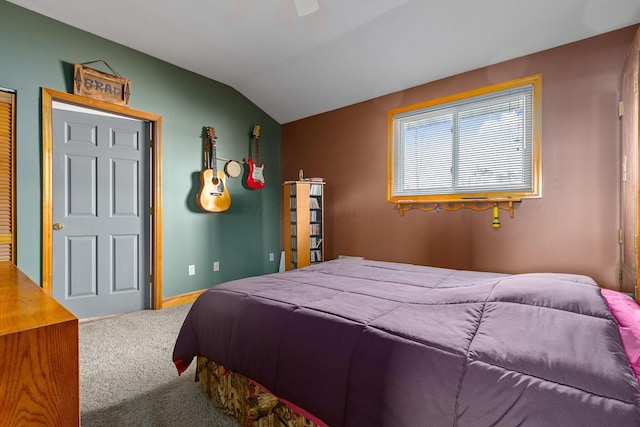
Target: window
(478, 145)
(7, 177)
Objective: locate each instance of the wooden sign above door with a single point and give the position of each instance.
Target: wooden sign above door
(94, 84)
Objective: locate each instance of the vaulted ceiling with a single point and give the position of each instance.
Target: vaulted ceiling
(294, 62)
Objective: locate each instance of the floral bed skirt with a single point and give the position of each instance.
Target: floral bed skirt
(248, 402)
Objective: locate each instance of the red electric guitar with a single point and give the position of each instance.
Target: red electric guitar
(213, 195)
(255, 179)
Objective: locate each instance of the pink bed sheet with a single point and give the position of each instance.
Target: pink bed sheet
(627, 313)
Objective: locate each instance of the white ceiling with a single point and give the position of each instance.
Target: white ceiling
(348, 51)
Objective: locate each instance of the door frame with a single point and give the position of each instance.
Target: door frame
(48, 97)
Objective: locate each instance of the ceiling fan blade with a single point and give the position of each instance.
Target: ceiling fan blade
(306, 7)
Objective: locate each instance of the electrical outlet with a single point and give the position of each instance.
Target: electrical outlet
(216, 265)
(192, 270)
(271, 256)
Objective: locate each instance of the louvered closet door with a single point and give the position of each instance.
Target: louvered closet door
(7, 173)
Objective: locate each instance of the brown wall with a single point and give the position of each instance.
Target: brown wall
(572, 228)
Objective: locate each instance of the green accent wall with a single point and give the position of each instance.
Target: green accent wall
(37, 52)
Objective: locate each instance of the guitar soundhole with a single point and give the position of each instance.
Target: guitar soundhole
(215, 181)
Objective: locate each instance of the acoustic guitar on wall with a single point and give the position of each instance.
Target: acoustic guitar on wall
(255, 179)
(213, 195)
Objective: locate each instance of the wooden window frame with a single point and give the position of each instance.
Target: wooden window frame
(476, 200)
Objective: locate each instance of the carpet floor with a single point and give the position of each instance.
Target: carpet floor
(127, 377)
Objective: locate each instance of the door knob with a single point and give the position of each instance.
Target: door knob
(58, 226)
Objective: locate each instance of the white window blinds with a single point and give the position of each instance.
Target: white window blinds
(476, 145)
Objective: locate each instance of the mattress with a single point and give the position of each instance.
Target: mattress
(358, 342)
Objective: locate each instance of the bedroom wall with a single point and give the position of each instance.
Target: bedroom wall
(573, 228)
(39, 52)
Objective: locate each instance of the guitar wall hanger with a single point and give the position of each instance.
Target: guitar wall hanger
(224, 159)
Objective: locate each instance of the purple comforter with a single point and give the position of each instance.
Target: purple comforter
(366, 343)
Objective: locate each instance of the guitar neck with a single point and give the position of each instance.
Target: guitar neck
(256, 136)
(257, 150)
(213, 158)
(211, 142)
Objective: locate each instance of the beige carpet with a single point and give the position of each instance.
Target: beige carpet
(127, 377)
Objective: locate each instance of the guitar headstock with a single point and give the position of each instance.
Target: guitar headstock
(211, 132)
(256, 132)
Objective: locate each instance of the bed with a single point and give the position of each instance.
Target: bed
(368, 343)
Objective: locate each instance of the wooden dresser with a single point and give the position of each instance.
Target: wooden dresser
(39, 358)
